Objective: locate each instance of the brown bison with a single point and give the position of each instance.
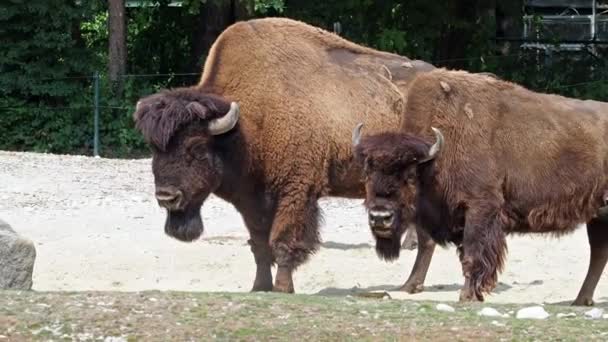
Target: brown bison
(477, 158)
(268, 129)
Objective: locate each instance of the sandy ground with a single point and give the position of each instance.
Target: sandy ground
(96, 226)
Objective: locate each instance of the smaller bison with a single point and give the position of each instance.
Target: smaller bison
(503, 160)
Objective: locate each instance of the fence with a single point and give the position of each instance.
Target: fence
(88, 121)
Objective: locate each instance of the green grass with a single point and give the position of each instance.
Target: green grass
(163, 316)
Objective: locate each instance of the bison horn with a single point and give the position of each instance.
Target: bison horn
(226, 122)
(357, 134)
(437, 146)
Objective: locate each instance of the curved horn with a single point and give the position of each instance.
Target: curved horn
(357, 134)
(226, 122)
(437, 146)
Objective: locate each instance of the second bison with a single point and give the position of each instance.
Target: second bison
(477, 158)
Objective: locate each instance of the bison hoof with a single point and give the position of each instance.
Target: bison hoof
(261, 288)
(412, 288)
(409, 245)
(583, 302)
(283, 289)
(469, 296)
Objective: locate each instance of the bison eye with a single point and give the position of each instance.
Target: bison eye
(198, 151)
(409, 175)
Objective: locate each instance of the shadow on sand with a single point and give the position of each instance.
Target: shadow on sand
(333, 291)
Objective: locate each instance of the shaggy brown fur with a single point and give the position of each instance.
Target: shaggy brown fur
(300, 89)
(514, 161)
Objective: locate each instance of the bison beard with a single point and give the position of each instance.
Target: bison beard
(185, 226)
(388, 249)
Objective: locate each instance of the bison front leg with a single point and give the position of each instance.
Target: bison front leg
(597, 232)
(294, 236)
(258, 225)
(263, 260)
(426, 248)
(482, 253)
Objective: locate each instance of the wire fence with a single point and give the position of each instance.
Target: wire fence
(96, 102)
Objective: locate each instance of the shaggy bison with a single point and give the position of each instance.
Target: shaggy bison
(477, 158)
(268, 129)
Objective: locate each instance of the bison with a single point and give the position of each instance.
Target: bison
(267, 129)
(477, 158)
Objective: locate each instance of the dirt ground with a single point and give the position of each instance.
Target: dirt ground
(97, 227)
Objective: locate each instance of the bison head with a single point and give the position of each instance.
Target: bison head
(391, 163)
(181, 127)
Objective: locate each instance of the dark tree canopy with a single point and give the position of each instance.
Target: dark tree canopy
(51, 49)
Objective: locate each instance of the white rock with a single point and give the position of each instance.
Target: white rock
(594, 313)
(444, 307)
(605, 316)
(498, 324)
(564, 315)
(532, 312)
(490, 312)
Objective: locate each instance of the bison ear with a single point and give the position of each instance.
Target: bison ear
(197, 109)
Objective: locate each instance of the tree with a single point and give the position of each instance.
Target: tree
(43, 74)
(117, 44)
(213, 17)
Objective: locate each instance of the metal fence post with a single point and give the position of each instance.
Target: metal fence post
(96, 115)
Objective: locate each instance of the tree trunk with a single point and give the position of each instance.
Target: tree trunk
(117, 44)
(464, 23)
(509, 23)
(214, 17)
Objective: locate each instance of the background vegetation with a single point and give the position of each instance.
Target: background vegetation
(52, 48)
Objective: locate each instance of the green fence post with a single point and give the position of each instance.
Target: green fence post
(96, 115)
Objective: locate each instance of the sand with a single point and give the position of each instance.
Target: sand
(96, 226)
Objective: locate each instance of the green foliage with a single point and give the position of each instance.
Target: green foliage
(40, 61)
(264, 7)
(51, 49)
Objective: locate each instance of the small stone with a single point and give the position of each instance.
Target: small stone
(594, 313)
(532, 312)
(605, 316)
(498, 324)
(444, 307)
(363, 312)
(489, 312)
(565, 315)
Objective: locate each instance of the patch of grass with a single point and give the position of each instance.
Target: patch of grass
(159, 316)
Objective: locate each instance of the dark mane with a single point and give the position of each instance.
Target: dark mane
(161, 115)
(392, 149)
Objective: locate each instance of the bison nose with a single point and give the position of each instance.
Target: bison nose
(382, 219)
(169, 197)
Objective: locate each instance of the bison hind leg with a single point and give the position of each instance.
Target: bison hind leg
(597, 233)
(294, 236)
(411, 239)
